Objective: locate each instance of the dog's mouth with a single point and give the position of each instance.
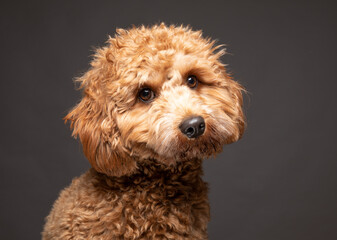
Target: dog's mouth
(183, 148)
(202, 147)
(210, 139)
(194, 138)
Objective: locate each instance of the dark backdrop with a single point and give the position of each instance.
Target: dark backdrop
(278, 182)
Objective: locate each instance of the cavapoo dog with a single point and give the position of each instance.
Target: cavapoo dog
(156, 101)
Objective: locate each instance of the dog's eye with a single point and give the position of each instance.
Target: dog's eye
(146, 95)
(192, 81)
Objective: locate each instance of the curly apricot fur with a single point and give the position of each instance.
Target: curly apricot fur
(146, 177)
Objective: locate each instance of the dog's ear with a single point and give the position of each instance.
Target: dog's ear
(236, 91)
(92, 120)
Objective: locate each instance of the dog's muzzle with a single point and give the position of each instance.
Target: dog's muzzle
(193, 127)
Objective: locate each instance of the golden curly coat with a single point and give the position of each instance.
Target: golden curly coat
(146, 177)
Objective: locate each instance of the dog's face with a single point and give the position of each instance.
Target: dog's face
(157, 92)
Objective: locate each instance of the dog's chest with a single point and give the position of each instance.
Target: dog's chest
(159, 209)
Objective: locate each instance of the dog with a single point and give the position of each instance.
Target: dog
(156, 101)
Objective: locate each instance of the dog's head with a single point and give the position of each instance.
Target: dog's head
(159, 93)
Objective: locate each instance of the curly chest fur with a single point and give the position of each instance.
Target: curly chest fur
(155, 203)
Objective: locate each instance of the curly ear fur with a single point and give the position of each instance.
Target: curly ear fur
(92, 120)
(235, 109)
(236, 90)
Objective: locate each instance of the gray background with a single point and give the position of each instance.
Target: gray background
(278, 182)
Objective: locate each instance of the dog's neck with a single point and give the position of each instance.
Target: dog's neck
(153, 173)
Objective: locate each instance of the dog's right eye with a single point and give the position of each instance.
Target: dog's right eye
(192, 81)
(146, 95)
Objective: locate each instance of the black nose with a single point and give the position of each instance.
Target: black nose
(193, 127)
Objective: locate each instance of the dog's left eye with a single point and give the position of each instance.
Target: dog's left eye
(146, 95)
(192, 81)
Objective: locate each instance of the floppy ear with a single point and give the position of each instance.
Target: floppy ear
(93, 121)
(238, 117)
